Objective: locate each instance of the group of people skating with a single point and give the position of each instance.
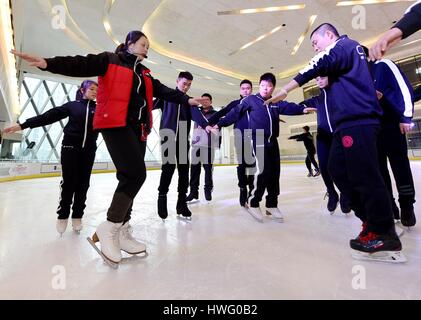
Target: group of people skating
(360, 124)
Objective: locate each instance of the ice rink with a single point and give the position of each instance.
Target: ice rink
(222, 254)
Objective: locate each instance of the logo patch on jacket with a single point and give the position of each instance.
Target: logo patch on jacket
(347, 141)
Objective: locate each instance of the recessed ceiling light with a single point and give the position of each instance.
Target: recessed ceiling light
(362, 2)
(257, 39)
(304, 34)
(260, 10)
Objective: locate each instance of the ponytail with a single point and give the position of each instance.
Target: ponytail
(120, 48)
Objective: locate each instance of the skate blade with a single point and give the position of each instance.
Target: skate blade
(382, 256)
(137, 255)
(184, 219)
(110, 263)
(193, 201)
(258, 219)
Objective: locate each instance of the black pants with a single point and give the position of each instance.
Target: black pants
(392, 145)
(266, 176)
(244, 155)
(324, 143)
(354, 166)
(128, 155)
(181, 161)
(76, 163)
(311, 160)
(201, 156)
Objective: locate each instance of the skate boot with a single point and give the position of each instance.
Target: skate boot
(408, 218)
(61, 226)
(77, 225)
(243, 197)
(310, 174)
(332, 202)
(317, 173)
(276, 214)
(379, 247)
(128, 243)
(344, 203)
(208, 195)
(162, 206)
(107, 234)
(256, 213)
(192, 197)
(183, 210)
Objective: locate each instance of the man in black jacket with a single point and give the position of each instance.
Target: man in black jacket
(307, 138)
(174, 132)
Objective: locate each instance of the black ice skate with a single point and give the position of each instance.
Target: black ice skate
(208, 195)
(192, 197)
(378, 247)
(332, 202)
(162, 207)
(345, 204)
(183, 211)
(243, 197)
(408, 218)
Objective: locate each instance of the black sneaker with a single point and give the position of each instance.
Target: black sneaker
(333, 200)
(208, 195)
(408, 218)
(243, 196)
(344, 203)
(192, 197)
(374, 242)
(182, 208)
(162, 206)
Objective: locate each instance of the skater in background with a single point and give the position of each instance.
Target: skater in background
(396, 99)
(77, 151)
(203, 153)
(124, 117)
(244, 180)
(407, 25)
(307, 138)
(325, 129)
(264, 123)
(353, 161)
(177, 119)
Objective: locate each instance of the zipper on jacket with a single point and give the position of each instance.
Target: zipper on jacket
(270, 119)
(327, 112)
(178, 121)
(86, 124)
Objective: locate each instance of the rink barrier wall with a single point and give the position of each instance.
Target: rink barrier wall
(15, 171)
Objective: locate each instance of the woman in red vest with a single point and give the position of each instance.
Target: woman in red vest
(124, 117)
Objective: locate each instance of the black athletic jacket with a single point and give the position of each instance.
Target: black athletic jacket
(79, 129)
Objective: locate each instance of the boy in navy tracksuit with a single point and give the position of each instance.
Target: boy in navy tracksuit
(353, 161)
(264, 125)
(174, 132)
(242, 124)
(396, 99)
(203, 153)
(325, 129)
(307, 138)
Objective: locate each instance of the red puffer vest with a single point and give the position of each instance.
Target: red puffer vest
(114, 89)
